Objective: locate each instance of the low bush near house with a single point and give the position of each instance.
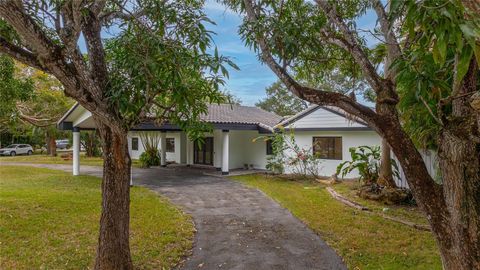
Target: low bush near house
(285, 150)
(366, 160)
(149, 158)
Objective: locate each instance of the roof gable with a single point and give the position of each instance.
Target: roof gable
(322, 118)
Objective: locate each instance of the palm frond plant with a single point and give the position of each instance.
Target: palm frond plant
(150, 156)
(366, 160)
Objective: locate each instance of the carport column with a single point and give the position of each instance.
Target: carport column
(225, 151)
(163, 145)
(76, 150)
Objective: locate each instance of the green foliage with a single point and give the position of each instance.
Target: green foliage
(231, 98)
(442, 38)
(366, 160)
(166, 62)
(281, 101)
(276, 161)
(12, 90)
(160, 58)
(292, 31)
(31, 102)
(149, 158)
(90, 141)
(299, 160)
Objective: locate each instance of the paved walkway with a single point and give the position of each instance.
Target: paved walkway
(237, 227)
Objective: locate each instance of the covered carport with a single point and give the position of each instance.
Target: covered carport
(231, 143)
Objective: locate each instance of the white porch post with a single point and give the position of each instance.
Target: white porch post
(163, 145)
(76, 151)
(225, 151)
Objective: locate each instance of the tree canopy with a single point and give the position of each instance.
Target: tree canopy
(125, 62)
(281, 101)
(426, 96)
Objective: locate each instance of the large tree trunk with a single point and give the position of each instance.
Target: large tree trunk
(385, 176)
(460, 167)
(459, 159)
(113, 248)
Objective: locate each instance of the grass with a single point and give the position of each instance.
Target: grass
(44, 159)
(49, 220)
(405, 212)
(365, 241)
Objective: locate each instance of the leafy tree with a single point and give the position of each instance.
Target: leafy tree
(231, 98)
(39, 102)
(13, 90)
(90, 142)
(155, 62)
(432, 54)
(281, 101)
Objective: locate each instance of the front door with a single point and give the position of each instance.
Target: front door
(203, 151)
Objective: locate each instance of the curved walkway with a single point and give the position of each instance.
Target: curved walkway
(237, 227)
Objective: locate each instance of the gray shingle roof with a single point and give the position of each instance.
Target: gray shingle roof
(226, 113)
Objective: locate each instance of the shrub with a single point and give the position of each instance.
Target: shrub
(150, 141)
(365, 159)
(286, 151)
(149, 158)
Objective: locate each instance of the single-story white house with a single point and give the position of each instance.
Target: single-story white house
(232, 145)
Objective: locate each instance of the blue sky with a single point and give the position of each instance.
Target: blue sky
(250, 81)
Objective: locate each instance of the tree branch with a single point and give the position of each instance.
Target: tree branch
(387, 30)
(20, 54)
(310, 94)
(350, 43)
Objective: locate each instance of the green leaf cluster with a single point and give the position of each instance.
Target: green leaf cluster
(366, 160)
(166, 61)
(440, 39)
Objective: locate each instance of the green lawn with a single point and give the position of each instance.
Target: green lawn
(365, 241)
(44, 159)
(49, 220)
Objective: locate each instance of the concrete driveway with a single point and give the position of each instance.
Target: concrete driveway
(237, 227)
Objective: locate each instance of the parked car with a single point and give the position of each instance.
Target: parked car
(16, 149)
(62, 144)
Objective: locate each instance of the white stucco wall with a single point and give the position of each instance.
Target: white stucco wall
(304, 139)
(171, 156)
(244, 151)
(242, 148)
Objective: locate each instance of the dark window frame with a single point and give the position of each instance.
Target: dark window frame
(335, 153)
(169, 145)
(269, 148)
(135, 142)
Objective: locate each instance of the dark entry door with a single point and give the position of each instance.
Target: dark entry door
(203, 151)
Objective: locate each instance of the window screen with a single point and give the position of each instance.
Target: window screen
(135, 143)
(328, 147)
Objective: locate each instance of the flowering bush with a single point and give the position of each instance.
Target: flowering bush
(286, 151)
